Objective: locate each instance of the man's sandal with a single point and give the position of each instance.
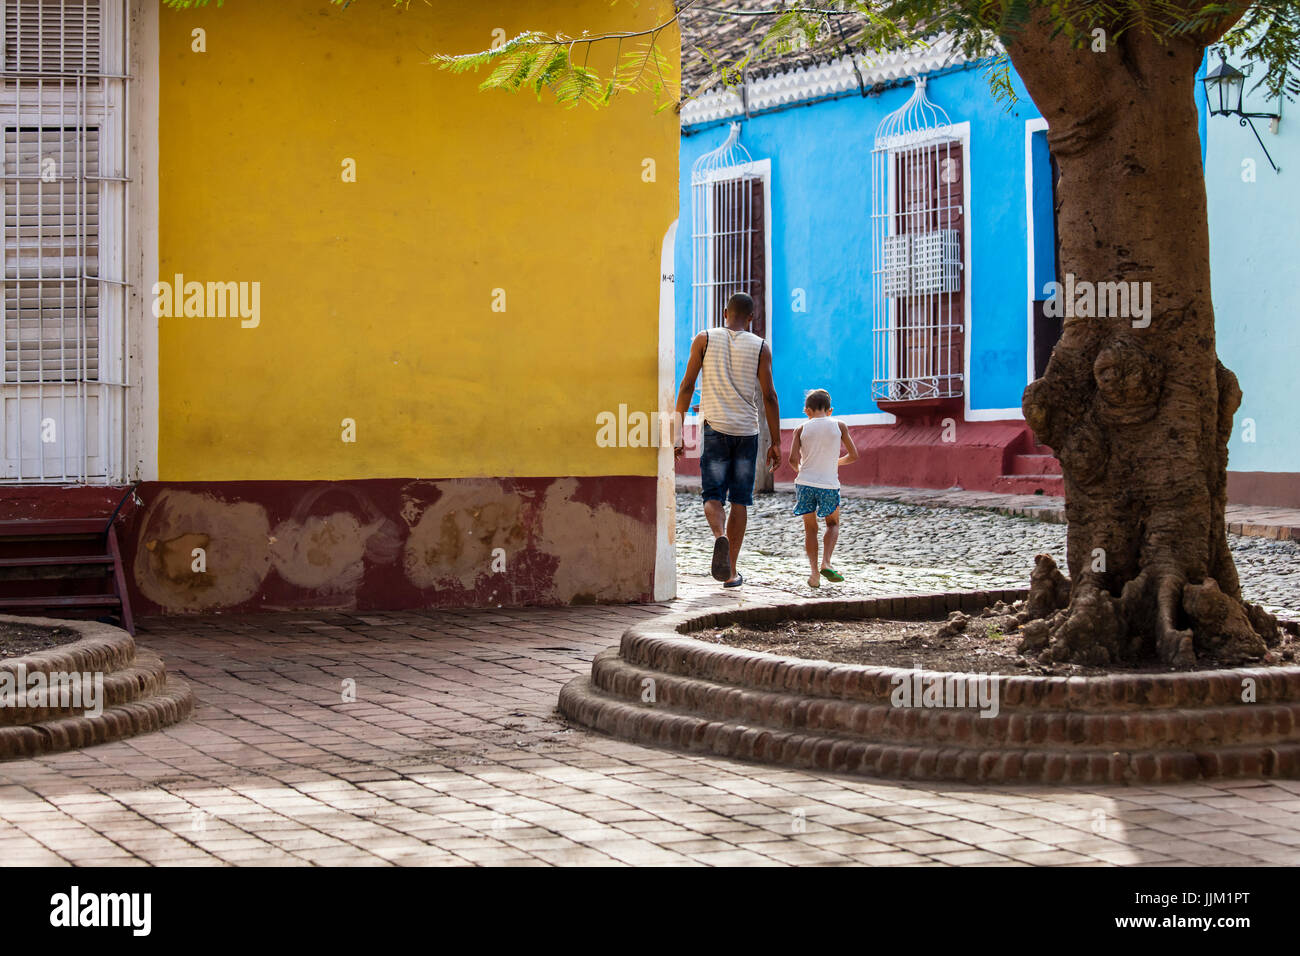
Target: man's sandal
(830, 574)
(721, 558)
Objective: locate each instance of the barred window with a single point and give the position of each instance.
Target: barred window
(62, 312)
(918, 230)
(729, 231)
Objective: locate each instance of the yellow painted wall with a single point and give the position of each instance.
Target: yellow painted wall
(376, 295)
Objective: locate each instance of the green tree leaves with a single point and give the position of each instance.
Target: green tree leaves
(1265, 31)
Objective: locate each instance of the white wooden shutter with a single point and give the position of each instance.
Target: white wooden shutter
(52, 37)
(51, 248)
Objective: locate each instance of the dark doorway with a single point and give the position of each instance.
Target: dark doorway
(1047, 329)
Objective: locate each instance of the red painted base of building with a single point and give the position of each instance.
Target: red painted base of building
(985, 456)
(375, 544)
(1278, 488)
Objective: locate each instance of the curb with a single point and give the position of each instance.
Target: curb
(138, 696)
(662, 687)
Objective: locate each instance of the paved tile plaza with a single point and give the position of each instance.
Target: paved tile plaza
(452, 753)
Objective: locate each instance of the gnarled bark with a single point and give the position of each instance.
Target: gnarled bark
(1139, 414)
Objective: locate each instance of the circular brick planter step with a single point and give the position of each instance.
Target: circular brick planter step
(137, 695)
(664, 688)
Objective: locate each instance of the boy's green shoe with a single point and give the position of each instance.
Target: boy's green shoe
(830, 574)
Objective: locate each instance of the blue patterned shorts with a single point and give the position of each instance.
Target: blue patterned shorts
(822, 500)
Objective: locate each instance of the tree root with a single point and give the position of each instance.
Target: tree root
(1091, 631)
(1049, 589)
(1085, 624)
(1222, 625)
(1265, 624)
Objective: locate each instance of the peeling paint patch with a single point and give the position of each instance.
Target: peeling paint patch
(601, 554)
(323, 553)
(451, 540)
(233, 536)
(328, 554)
(391, 543)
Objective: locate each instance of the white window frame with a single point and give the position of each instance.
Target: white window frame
(754, 169)
(33, 103)
(960, 133)
(1031, 128)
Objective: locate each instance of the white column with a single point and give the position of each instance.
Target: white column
(665, 588)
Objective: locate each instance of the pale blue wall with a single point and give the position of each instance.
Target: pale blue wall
(1255, 274)
(821, 240)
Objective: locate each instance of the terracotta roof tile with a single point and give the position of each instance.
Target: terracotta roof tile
(727, 37)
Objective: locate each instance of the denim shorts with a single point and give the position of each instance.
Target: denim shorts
(822, 500)
(727, 467)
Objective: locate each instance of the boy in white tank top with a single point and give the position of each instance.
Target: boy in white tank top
(815, 457)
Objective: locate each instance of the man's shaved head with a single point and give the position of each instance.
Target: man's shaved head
(741, 306)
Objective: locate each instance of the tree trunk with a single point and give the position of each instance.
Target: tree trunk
(1139, 414)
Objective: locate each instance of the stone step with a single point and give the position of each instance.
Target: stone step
(143, 677)
(1025, 725)
(1034, 466)
(138, 696)
(36, 561)
(828, 753)
(1044, 484)
(174, 702)
(102, 647)
(1129, 727)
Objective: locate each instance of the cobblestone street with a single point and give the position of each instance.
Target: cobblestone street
(891, 548)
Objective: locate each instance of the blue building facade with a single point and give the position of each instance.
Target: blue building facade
(810, 134)
(816, 159)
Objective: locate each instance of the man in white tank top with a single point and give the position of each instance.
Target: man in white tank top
(815, 457)
(737, 374)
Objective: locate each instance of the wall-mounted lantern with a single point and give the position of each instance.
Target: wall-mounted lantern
(1224, 86)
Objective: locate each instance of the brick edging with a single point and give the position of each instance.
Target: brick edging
(101, 647)
(1117, 728)
(664, 644)
(676, 731)
(138, 696)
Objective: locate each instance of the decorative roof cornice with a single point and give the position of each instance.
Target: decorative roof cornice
(820, 80)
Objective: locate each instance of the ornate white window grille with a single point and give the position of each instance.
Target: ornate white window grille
(64, 166)
(917, 220)
(727, 233)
